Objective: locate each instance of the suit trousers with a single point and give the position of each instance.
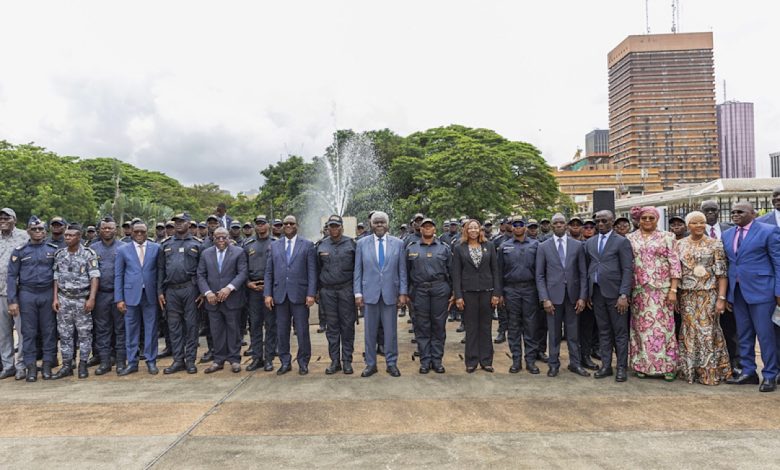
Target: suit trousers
(376, 314)
(183, 322)
(37, 315)
(564, 314)
(224, 323)
(588, 333)
(7, 325)
(478, 320)
(522, 305)
(262, 327)
(287, 312)
(108, 323)
(146, 312)
(755, 320)
(340, 315)
(729, 326)
(613, 329)
(430, 321)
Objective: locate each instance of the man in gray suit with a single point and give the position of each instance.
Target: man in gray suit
(380, 284)
(290, 286)
(772, 217)
(561, 279)
(222, 272)
(610, 275)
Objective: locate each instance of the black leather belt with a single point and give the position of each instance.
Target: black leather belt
(336, 286)
(35, 288)
(520, 284)
(429, 284)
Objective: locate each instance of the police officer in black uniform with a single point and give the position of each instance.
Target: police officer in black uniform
(517, 266)
(503, 318)
(262, 320)
(30, 293)
(108, 322)
(159, 232)
(335, 267)
(247, 231)
(177, 265)
(57, 226)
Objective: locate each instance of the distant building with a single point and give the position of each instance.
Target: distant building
(774, 161)
(736, 140)
(662, 107)
(597, 143)
(580, 184)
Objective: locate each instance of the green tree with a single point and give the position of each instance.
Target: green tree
(284, 189)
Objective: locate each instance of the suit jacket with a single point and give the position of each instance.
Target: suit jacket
(234, 271)
(553, 281)
(295, 280)
(131, 279)
(756, 265)
(768, 219)
(372, 283)
(615, 265)
(466, 277)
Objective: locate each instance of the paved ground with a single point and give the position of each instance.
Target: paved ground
(455, 420)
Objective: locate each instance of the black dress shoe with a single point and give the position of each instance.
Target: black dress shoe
(531, 368)
(130, 369)
(461, 328)
(471, 369)
(177, 366)
(621, 375)
(7, 373)
(303, 370)
(32, 373)
(542, 357)
(579, 370)
(257, 363)
(103, 368)
(65, 371)
(46, 371)
(165, 353)
(213, 368)
(515, 368)
(768, 385)
(393, 371)
(93, 361)
(283, 369)
(368, 372)
(424, 369)
(552, 372)
(208, 357)
(603, 372)
(334, 367)
(439, 369)
(488, 368)
(191, 369)
(589, 364)
(500, 337)
(83, 371)
(269, 366)
(743, 380)
(348, 368)
(151, 367)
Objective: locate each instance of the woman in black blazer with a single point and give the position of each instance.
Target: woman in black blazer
(475, 281)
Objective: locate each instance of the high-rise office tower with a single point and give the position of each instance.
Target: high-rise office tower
(736, 140)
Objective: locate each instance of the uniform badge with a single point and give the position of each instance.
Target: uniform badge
(429, 255)
(14, 258)
(181, 249)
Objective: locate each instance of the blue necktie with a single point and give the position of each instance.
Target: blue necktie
(220, 257)
(561, 254)
(381, 254)
(288, 251)
(601, 243)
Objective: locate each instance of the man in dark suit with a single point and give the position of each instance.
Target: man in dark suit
(561, 279)
(753, 251)
(222, 272)
(290, 286)
(223, 219)
(773, 216)
(135, 294)
(610, 275)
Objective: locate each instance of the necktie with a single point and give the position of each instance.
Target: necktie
(220, 258)
(142, 254)
(601, 243)
(561, 254)
(740, 235)
(381, 254)
(712, 232)
(288, 251)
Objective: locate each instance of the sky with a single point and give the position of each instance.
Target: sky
(217, 91)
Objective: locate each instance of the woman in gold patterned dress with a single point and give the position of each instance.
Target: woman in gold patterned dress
(702, 299)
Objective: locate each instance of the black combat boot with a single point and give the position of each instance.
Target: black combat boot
(46, 374)
(32, 373)
(83, 371)
(104, 367)
(65, 371)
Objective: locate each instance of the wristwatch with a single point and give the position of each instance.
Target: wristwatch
(720, 297)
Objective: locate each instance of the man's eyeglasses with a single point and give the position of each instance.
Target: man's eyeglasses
(288, 223)
(37, 229)
(518, 224)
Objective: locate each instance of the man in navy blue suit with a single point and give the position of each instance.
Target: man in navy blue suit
(290, 285)
(753, 250)
(135, 294)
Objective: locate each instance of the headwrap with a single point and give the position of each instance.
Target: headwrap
(650, 209)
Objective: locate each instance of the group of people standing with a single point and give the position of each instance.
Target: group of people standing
(666, 306)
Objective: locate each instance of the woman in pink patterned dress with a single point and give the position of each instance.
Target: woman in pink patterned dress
(653, 346)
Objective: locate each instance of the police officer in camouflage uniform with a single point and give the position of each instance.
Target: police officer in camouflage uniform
(262, 343)
(430, 289)
(178, 291)
(108, 322)
(30, 281)
(76, 278)
(335, 268)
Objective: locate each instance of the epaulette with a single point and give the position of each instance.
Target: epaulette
(248, 241)
(198, 239)
(59, 250)
(53, 245)
(86, 248)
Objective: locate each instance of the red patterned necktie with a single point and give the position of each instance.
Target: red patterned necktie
(712, 232)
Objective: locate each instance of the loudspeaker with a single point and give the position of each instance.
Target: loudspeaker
(603, 199)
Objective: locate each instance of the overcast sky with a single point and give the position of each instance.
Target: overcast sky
(214, 92)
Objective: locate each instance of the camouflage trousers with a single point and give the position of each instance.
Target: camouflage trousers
(70, 319)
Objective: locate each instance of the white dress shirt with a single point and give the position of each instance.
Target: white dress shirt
(718, 233)
(777, 217)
